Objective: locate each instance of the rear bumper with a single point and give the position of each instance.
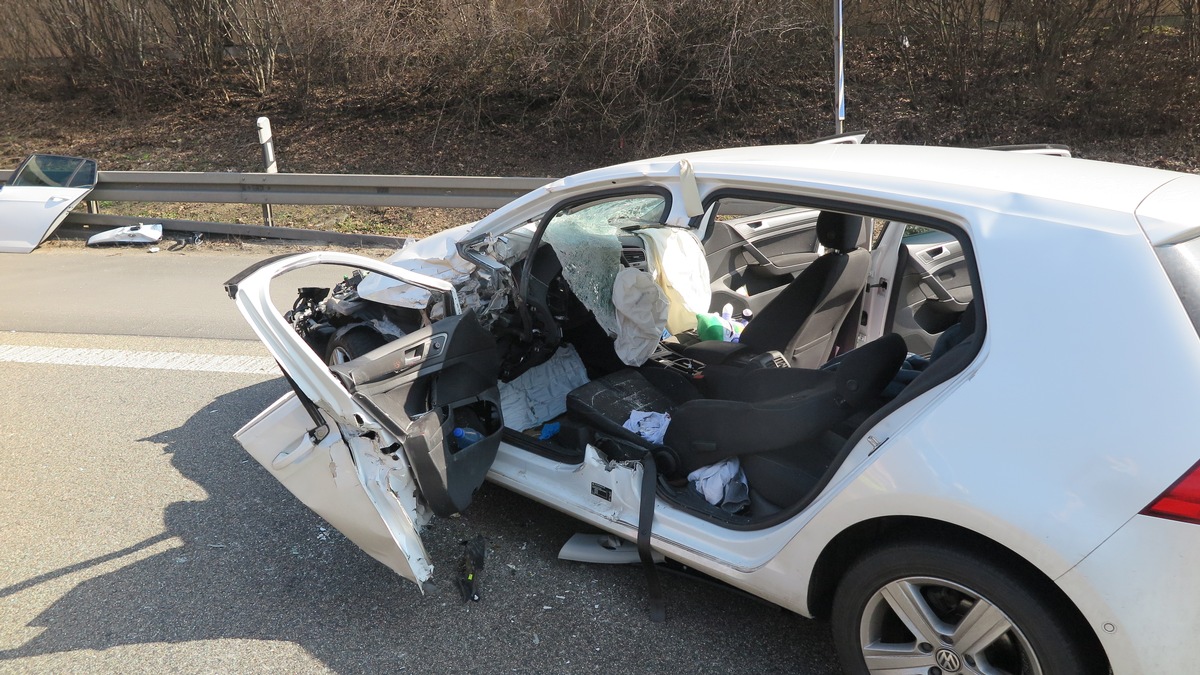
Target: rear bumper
(1140, 592)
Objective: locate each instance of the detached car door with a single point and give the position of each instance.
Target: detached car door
(38, 196)
(368, 444)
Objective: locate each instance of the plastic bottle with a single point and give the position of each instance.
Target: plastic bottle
(465, 437)
(727, 311)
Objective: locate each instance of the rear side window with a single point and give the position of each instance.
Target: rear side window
(55, 172)
(1182, 264)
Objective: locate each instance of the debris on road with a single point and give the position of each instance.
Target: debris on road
(470, 567)
(133, 234)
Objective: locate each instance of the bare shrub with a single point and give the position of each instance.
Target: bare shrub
(1189, 11)
(961, 42)
(110, 40)
(23, 41)
(198, 36)
(255, 30)
(634, 67)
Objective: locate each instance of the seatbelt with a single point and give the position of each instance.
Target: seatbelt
(321, 428)
(658, 610)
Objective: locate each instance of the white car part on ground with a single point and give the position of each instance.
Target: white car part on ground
(133, 234)
(28, 214)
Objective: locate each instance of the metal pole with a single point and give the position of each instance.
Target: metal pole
(839, 70)
(268, 149)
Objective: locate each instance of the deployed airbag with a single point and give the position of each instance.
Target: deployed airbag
(682, 272)
(540, 393)
(641, 309)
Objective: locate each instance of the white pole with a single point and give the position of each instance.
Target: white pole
(839, 70)
(267, 142)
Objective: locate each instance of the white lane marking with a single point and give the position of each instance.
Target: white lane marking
(121, 358)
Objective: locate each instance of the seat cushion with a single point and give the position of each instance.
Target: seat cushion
(606, 402)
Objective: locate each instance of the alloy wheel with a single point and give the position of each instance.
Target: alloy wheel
(930, 626)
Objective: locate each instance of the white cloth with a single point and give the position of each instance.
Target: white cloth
(540, 393)
(720, 482)
(641, 315)
(651, 426)
(681, 270)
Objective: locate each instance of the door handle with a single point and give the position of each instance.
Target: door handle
(285, 459)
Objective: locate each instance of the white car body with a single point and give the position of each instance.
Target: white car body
(1072, 417)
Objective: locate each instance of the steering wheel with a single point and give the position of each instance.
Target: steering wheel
(539, 335)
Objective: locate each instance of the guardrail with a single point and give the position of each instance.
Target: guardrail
(470, 192)
(451, 192)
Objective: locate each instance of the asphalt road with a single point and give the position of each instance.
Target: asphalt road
(137, 536)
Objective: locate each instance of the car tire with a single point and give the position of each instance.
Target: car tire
(352, 344)
(939, 590)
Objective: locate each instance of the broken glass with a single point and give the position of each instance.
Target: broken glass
(586, 240)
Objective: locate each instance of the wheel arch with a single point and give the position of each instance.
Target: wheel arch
(858, 539)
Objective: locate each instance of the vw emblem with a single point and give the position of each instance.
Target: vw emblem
(948, 660)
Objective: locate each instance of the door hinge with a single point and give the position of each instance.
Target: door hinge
(883, 283)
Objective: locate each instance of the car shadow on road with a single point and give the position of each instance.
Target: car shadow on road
(255, 564)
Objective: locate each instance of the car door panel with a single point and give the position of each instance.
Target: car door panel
(40, 194)
(333, 442)
(934, 289)
(752, 259)
(325, 476)
(423, 386)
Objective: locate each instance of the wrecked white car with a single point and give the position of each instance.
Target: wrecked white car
(897, 439)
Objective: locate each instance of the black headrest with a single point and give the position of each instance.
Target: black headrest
(838, 231)
(865, 371)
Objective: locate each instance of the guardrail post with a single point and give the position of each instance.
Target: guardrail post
(268, 149)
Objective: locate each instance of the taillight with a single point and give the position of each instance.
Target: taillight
(1181, 501)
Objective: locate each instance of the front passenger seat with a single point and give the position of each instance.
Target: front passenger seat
(802, 322)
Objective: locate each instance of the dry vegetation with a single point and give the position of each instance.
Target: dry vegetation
(542, 87)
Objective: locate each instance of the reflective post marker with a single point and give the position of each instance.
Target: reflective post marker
(839, 68)
(268, 149)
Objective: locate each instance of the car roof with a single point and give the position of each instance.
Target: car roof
(1006, 182)
(1073, 192)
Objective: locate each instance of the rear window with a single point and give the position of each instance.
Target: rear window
(1182, 264)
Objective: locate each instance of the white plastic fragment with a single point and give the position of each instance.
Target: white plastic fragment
(133, 234)
(540, 393)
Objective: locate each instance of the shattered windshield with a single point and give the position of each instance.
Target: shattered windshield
(586, 240)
